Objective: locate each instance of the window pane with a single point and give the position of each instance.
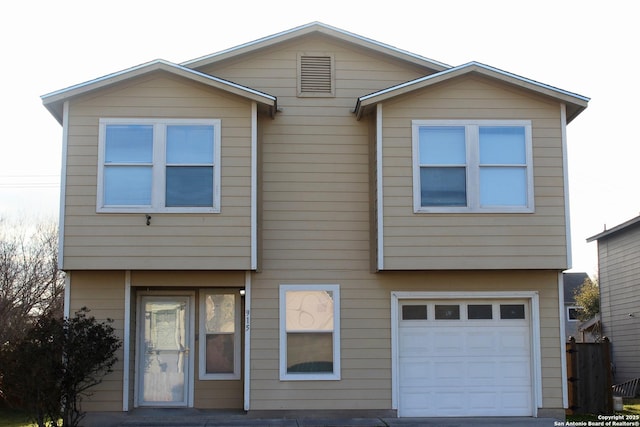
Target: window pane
(479, 311)
(414, 312)
(220, 354)
(512, 311)
(573, 313)
(502, 145)
(447, 312)
(190, 144)
(442, 145)
(310, 352)
(129, 144)
(443, 186)
(127, 185)
(503, 186)
(221, 312)
(189, 186)
(309, 311)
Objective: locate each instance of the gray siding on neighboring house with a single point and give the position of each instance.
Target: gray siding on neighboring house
(571, 282)
(619, 266)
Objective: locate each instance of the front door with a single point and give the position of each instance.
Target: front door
(164, 359)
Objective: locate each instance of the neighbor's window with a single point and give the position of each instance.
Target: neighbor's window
(219, 337)
(476, 166)
(309, 332)
(572, 313)
(163, 165)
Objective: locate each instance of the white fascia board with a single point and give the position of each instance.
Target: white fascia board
(411, 85)
(306, 29)
(63, 183)
(52, 99)
(567, 201)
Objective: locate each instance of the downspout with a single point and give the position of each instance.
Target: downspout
(247, 340)
(125, 341)
(379, 188)
(565, 166)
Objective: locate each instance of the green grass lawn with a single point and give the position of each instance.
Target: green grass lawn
(631, 407)
(13, 418)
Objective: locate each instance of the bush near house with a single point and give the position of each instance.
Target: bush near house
(50, 370)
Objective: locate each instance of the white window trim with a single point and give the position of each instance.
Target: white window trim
(159, 166)
(575, 307)
(472, 167)
(335, 375)
(202, 332)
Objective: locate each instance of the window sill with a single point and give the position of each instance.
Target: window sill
(149, 210)
(467, 210)
(310, 377)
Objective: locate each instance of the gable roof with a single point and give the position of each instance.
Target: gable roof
(625, 226)
(318, 28)
(570, 283)
(54, 101)
(575, 103)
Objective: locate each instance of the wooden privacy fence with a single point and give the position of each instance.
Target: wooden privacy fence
(589, 377)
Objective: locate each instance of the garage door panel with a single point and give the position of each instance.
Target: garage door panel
(482, 343)
(416, 373)
(465, 367)
(416, 342)
(449, 341)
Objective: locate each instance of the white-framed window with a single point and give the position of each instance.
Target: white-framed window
(309, 332)
(572, 313)
(472, 166)
(219, 334)
(159, 165)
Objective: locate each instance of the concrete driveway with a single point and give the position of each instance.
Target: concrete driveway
(195, 418)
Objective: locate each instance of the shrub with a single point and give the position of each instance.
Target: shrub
(53, 367)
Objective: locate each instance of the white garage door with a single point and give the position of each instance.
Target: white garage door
(464, 358)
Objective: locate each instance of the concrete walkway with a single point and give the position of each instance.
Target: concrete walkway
(195, 418)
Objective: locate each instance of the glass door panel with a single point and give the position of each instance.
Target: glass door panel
(164, 350)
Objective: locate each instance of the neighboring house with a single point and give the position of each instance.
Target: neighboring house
(619, 280)
(319, 221)
(571, 282)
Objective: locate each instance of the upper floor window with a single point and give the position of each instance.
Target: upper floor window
(159, 165)
(472, 166)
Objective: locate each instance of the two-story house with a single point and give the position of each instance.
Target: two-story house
(619, 281)
(319, 221)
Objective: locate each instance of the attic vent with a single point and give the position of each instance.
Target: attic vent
(315, 75)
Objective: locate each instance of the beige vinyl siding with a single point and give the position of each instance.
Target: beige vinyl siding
(357, 72)
(103, 293)
(316, 201)
(366, 334)
(172, 241)
(620, 296)
(473, 241)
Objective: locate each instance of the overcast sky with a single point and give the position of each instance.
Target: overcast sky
(586, 47)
